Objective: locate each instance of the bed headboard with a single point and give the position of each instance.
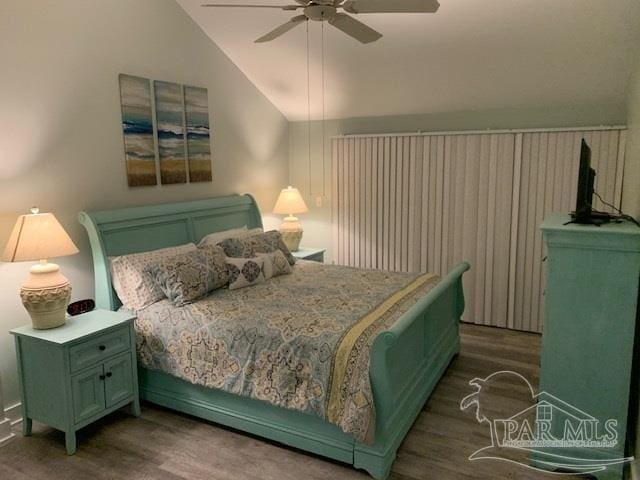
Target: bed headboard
(139, 229)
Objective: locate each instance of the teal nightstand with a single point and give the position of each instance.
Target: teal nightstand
(73, 375)
(313, 254)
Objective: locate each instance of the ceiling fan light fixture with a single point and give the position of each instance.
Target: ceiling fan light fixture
(319, 13)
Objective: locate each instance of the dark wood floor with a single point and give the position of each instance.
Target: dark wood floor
(167, 445)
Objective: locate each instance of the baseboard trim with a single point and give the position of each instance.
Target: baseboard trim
(6, 435)
(14, 414)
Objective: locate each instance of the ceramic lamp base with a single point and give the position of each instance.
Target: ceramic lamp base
(292, 239)
(291, 230)
(45, 295)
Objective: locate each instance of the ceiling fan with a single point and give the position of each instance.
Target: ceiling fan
(328, 10)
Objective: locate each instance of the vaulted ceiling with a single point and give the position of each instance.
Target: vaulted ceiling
(470, 55)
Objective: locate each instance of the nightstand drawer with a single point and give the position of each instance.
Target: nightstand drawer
(98, 349)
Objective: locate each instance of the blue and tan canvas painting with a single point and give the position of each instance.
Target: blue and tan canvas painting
(137, 128)
(196, 103)
(170, 126)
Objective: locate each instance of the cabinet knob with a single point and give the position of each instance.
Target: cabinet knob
(109, 374)
(102, 348)
(102, 377)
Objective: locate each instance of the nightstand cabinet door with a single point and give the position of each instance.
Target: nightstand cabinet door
(88, 393)
(118, 384)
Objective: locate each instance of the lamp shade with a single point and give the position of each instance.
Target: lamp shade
(290, 202)
(37, 236)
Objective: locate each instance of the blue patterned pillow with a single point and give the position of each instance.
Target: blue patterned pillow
(188, 276)
(236, 248)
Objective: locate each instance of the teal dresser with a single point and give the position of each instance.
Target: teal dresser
(73, 375)
(591, 305)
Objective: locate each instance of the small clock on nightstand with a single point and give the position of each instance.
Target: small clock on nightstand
(313, 254)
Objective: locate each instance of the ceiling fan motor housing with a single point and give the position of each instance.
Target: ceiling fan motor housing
(327, 10)
(319, 13)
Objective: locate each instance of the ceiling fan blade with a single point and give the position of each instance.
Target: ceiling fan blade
(354, 28)
(391, 6)
(232, 5)
(282, 29)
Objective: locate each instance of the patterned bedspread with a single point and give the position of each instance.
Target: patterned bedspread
(299, 341)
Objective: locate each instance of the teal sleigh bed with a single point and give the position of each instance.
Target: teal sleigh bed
(406, 361)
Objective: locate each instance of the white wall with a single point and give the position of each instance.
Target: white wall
(317, 222)
(61, 142)
(631, 193)
(631, 199)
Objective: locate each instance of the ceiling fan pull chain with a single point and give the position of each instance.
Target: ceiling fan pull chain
(324, 192)
(308, 110)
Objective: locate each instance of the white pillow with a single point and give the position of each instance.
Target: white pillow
(245, 272)
(135, 287)
(217, 237)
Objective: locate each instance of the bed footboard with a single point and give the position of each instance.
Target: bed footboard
(406, 363)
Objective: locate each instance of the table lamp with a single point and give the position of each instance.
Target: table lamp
(47, 292)
(290, 203)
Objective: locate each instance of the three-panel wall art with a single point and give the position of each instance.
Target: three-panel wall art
(181, 131)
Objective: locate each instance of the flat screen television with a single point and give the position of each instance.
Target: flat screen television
(585, 213)
(586, 179)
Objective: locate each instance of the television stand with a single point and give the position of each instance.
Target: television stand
(590, 309)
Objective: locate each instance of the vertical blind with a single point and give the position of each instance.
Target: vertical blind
(546, 181)
(426, 202)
